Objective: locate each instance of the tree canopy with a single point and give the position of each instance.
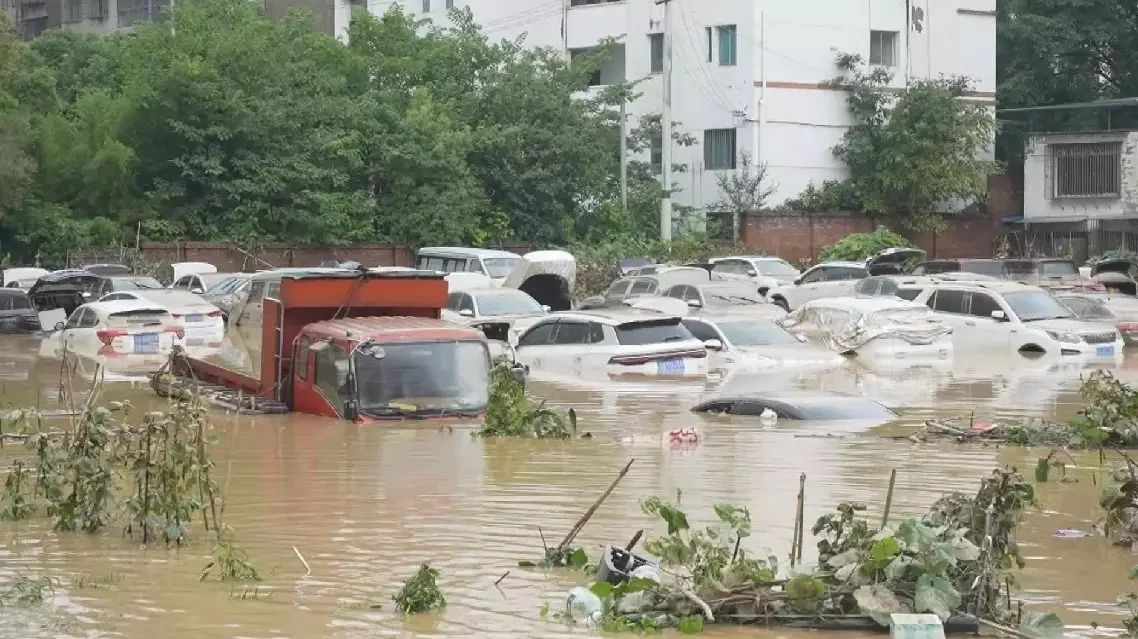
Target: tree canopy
(221, 124)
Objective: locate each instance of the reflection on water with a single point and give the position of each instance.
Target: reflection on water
(366, 505)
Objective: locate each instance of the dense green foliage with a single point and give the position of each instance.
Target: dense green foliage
(907, 151)
(861, 246)
(220, 124)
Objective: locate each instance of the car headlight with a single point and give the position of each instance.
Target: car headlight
(1064, 336)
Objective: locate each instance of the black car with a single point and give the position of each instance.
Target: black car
(16, 312)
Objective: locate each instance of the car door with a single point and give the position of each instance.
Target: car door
(841, 281)
(952, 308)
(988, 332)
(252, 311)
(534, 345)
(77, 330)
(807, 287)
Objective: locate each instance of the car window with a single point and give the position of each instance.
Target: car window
(256, 291)
(452, 301)
(183, 283)
(816, 275)
(991, 268)
(116, 296)
(596, 333)
(1059, 269)
(302, 358)
(273, 290)
(466, 303)
(908, 293)
(692, 294)
(474, 266)
(89, 320)
(701, 330)
(618, 288)
(949, 302)
(675, 291)
(76, 317)
(983, 305)
(1078, 305)
(642, 286)
(571, 333)
(932, 268)
(652, 332)
(854, 273)
(538, 335)
(331, 375)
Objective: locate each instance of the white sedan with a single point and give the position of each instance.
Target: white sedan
(119, 328)
(202, 322)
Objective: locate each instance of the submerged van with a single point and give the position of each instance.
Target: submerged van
(496, 265)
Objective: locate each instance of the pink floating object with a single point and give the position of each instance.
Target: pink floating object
(682, 436)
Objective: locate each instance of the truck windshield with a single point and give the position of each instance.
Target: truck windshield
(422, 378)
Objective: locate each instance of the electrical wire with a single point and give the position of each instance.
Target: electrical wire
(724, 102)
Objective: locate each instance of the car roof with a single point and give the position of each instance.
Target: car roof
(612, 317)
(864, 303)
(995, 286)
(493, 290)
(752, 258)
(128, 276)
(841, 263)
(155, 294)
(119, 306)
(461, 251)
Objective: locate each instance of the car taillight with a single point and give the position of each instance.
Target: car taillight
(109, 336)
(1128, 327)
(636, 360)
(214, 314)
(175, 315)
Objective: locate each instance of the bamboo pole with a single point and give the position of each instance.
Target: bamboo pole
(889, 498)
(801, 513)
(592, 509)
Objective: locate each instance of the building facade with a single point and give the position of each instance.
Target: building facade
(748, 76)
(32, 17)
(1080, 177)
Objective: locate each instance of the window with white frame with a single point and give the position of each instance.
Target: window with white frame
(719, 149)
(656, 152)
(883, 48)
(1086, 169)
(728, 45)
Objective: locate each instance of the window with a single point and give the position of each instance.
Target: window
(700, 330)
(983, 305)
(641, 287)
(676, 292)
(302, 358)
(816, 275)
(183, 283)
(883, 48)
(651, 332)
(1086, 169)
(331, 374)
(538, 335)
(618, 288)
(595, 77)
(656, 52)
(908, 293)
(949, 302)
(450, 4)
(596, 333)
(656, 159)
(727, 46)
(256, 292)
(273, 290)
(719, 149)
(432, 264)
(426, 5)
(571, 333)
(466, 303)
(453, 300)
(474, 266)
(1080, 307)
(76, 318)
(710, 49)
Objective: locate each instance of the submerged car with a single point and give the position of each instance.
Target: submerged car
(838, 279)
(189, 311)
(1045, 272)
(873, 327)
(801, 405)
(1001, 315)
(199, 283)
(726, 294)
(22, 277)
(748, 342)
(121, 327)
(17, 315)
(766, 271)
(1120, 311)
(625, 342)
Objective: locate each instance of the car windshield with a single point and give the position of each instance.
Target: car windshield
(652, 332)
(1031, 306)
(500, 266)
(209, 280)
(135, 283)
(508, 303)
(226, 285)
(422, 378)
(760, 333)
(776, 268)
(1059, 269)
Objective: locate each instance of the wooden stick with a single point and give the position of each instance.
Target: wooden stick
(797, 524)
(502, 577)
(701, 603)
(635, 539)
(889, 498)
(801, 513)
(307, 568)
(1004, 629)
(592, 509)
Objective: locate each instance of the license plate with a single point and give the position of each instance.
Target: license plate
(1104, 351)
(193, 319)
(146, 343)
(670, 366)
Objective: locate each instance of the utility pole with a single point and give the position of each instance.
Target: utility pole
(666, 128)
(624, 156)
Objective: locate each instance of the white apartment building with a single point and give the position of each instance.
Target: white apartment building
(730, 56)
(1071, 178)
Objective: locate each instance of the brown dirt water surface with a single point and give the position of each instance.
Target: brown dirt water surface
(367, 505)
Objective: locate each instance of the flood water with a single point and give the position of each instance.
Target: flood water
(366, 505)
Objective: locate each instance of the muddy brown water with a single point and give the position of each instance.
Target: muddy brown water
(367, 505)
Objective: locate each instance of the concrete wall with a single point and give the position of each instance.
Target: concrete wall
(1041, 207)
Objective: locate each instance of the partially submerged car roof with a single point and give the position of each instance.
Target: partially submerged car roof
(800, 405)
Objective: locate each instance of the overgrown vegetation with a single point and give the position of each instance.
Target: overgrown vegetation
(155, 476)
(857, 247)
(511, 413)
(908, 151)
(27, 591)
(420, 593)
(954, 560)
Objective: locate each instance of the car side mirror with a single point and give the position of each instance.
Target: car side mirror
(798, 282)
(695, 303)
(59, 326)
(999, 315)
(546, 307)
(466, 312)
(351, 410)
(197, 290)
(713, 344)
(752, 272)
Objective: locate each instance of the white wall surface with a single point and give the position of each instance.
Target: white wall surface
(1038, 202)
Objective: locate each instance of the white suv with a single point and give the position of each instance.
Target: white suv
(766, 271)
(1000, 315)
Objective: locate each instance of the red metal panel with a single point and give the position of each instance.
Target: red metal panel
(270, 315)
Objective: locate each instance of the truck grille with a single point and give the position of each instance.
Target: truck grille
(1099, 338)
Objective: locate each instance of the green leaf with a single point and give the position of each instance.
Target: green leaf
(1043, 625)
(690, 625)
(936, 595)
(543, 611)
(578, 558)
(1042, 469)
(601, 589)
(526, 564)
(883, 551)
(897, 568)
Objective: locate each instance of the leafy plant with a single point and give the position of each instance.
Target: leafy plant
(27, 591)
(230, 562)
(860, 246)
(16, 503)
(510, 413)
(420, 593)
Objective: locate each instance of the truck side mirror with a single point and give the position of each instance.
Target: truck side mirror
(351, 410)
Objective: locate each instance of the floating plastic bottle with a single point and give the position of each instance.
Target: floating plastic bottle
(768, 417)
(583, 605)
